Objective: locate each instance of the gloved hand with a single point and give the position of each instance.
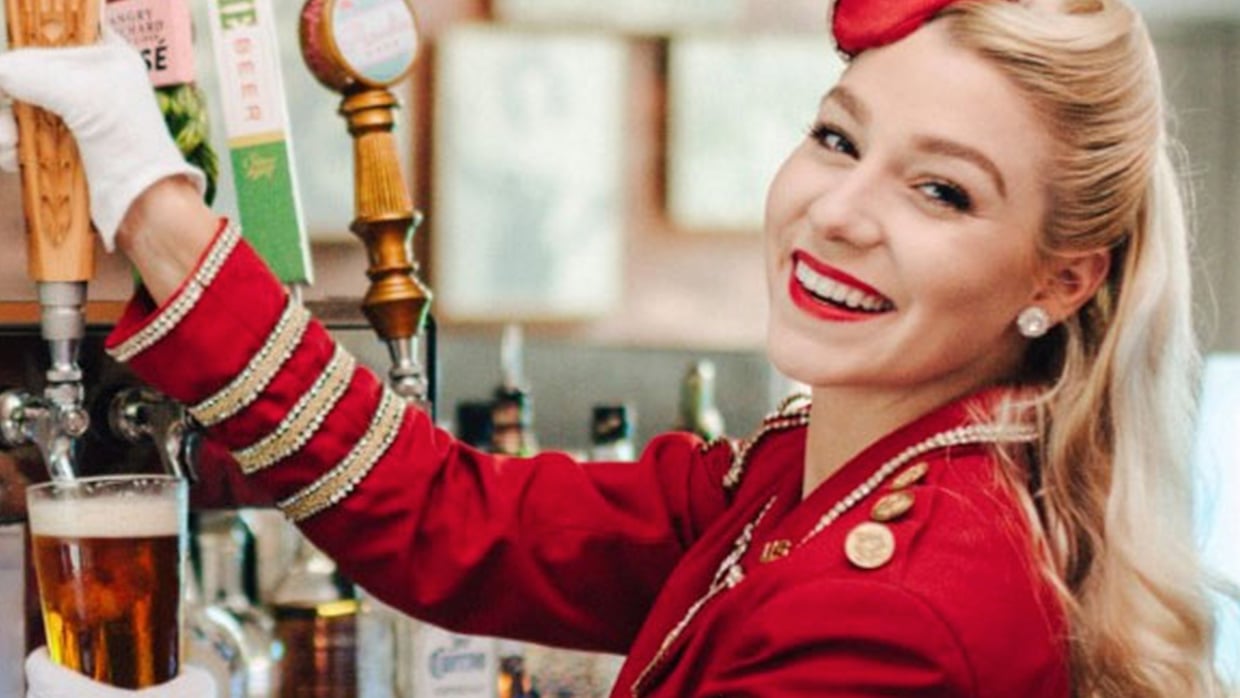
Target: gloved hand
(47, 679)
(103, 95)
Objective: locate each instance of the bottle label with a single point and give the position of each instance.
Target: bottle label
(450, 664)
(162, 31)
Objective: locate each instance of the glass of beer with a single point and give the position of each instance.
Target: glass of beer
(108, 554)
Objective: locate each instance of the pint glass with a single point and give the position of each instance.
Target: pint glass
(108, 555)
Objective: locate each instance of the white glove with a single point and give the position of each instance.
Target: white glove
(47, 679)
(103, 94)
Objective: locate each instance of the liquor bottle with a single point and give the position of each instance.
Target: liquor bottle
(512, 430)
(348, 631)
(383, 634)
(512, 411)
(513, 680)
(473, 423)
(698, 412)
(223, 541)
(316, 614)
(213, 642)
(611, 433)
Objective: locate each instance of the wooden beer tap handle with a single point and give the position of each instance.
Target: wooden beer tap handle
(396, 302)
(338, 43)
(54, 194)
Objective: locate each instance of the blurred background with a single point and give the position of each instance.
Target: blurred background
(594, 174)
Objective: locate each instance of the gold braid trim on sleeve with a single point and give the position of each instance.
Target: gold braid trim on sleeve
(262, 368)
(340, 481)
(185, 301)
(304, 419)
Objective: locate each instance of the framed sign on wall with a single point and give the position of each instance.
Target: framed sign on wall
(724, 145)
(528, 189)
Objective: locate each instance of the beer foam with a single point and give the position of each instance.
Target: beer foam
(120, 516)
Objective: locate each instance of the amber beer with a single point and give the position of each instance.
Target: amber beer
(108, 555)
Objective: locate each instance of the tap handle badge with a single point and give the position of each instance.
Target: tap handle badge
(350, 42)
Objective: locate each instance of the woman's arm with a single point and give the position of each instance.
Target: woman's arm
(543, 548)
(165, 233)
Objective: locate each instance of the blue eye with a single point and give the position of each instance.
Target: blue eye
(832, 139)
(949, 195)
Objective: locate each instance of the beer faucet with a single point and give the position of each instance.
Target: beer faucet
(61, 245)
(359, 51)
(55, 421)
(139, 413)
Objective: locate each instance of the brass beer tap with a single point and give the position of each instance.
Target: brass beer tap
(359, 50)
(61, 244)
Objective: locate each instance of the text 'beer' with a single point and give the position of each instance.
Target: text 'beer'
(109, 574)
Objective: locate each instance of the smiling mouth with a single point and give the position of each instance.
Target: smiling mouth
(836, 293)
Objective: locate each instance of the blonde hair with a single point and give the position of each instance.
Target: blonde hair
(1113, 505)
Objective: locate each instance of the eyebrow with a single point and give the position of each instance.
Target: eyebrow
(849, 102)
(954, 149)
(852, 104)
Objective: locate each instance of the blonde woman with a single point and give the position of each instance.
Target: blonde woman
(976, 259)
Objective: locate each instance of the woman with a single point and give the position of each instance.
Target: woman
(977, 259)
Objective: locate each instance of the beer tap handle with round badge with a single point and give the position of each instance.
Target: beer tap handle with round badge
(359, 49)
(61, 243)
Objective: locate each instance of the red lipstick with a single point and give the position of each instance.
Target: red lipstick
(831, 272)
(821, 308)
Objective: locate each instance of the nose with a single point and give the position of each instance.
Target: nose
(846, 208)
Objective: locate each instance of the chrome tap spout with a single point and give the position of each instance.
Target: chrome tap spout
(141, 413)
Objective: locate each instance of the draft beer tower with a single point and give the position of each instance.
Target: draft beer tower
(360, 48)
(61, 243)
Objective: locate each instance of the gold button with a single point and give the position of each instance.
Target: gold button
(910, 477)
(892, 506)
(775, 549)
(869, 545)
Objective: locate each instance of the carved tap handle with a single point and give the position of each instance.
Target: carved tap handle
(54, 195)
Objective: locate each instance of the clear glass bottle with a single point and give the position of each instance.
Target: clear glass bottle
(698, 412)
(381, 641)
(316, 612)
(512, 410)
(213, 642)
(223, 542)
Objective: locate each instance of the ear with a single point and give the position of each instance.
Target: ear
(1068, 281)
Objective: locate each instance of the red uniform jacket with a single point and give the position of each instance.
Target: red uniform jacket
(940, 598)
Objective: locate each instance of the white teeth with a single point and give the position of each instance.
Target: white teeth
(836, 292)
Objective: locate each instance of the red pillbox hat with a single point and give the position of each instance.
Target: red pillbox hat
(862, 24)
